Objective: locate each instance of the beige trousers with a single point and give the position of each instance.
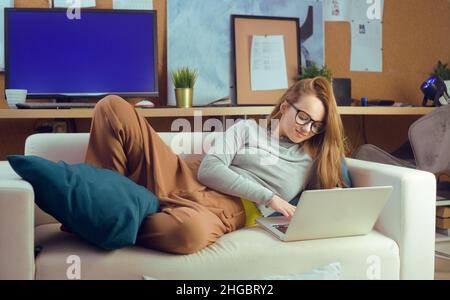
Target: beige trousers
(192, 216)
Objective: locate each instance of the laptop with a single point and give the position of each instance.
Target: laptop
(330, 213)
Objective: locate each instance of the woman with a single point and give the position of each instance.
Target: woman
(201, 202)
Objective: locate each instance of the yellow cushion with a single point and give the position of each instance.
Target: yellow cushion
(251, 212)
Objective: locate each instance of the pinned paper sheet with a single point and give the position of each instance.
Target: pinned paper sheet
(366, 52)
(366, 10)
(337, 10)
(74, 3)
(268, 63)
(356, 10)
(133, 4)
(3, 4)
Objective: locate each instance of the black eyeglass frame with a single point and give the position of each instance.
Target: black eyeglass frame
(310, 119)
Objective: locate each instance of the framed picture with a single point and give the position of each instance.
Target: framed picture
(266, 52)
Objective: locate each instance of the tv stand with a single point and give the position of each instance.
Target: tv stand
(76, 100)
(55, 105)
(60, 103)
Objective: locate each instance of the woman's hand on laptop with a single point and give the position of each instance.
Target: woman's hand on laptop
(282, 206)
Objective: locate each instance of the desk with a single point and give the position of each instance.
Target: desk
(17, 124)
(206, 111)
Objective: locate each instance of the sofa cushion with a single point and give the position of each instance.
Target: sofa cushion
(100, 205)
(248, 252)
(331, 271)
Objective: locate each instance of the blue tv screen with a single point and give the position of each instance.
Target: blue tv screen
(102, 52)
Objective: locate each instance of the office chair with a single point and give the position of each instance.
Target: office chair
(429, 138)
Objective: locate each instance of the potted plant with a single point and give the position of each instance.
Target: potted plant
(314, 71)
(184, 79)
(443, 71)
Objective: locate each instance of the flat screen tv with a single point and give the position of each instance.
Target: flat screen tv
(103, 52)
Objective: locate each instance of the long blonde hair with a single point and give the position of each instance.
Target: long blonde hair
(328, 148)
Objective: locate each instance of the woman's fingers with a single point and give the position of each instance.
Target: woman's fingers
(290, 211)
(283, 207)
(284, 212)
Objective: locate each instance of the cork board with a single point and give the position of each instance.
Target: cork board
(243, 29)
(415, 37)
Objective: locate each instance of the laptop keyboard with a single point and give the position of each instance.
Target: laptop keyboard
(282, 228)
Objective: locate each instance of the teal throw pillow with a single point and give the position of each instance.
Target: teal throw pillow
(100, 205)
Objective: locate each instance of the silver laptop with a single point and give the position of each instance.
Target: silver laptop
(330, 213)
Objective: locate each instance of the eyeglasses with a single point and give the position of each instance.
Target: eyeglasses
(302, 118)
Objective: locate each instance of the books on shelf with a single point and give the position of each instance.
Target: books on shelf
(442, 231)
(442, 223)
(443, 227)
(443, 212)
(442, 217)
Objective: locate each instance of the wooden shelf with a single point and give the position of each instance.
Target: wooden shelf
(204, 111)
(441, 238)
(384, 110)
(442, 202)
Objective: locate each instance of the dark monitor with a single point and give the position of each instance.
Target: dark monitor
(104, 52)
(342, 88)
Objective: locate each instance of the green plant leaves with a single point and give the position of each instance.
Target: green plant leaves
(315, 71)
(442, 70)
(184, 77)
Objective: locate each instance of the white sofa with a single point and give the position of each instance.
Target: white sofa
(401, 246)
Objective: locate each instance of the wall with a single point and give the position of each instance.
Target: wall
(415, 37)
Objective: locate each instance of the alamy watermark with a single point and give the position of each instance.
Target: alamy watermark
(374, 9)
(73, 9)
(249, 138)
(373, 271)
(73, 272)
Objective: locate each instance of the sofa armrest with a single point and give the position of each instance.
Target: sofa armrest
(70, 147)
(408, 217)
(16, 225)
